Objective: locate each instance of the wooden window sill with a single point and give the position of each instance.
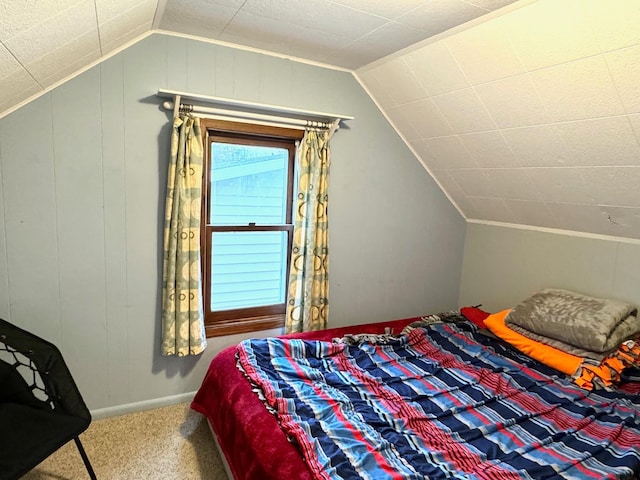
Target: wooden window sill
(244, 325)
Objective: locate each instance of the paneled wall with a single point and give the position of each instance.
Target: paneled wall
(83, 179)
(503, 266)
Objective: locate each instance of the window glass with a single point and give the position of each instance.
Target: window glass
(247, 231)
(248, 184)
(248, 269)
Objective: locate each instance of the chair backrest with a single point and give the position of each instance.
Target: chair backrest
(33, 371)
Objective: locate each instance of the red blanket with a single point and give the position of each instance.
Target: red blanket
(250, 437)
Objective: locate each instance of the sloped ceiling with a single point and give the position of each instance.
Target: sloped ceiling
(531, 117)
(45, 41)
(525, 112)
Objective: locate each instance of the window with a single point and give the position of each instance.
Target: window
(247, 225)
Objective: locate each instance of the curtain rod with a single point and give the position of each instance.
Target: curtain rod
(250, 112)
(233, 115)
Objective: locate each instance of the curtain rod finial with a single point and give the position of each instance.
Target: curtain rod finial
(168, 105)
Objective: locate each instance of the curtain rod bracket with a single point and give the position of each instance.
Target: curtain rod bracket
(176, 106)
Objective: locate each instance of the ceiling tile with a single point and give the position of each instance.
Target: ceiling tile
(108, 46)
(340, 56)
(197, 17)
(8, 64)
(268, 34)
(436, 69)
(436, 16)
(625, 222)
(548, 32)
(425, 119)
(513, 183)
(600, 141)
(489, 149)
(113, 26)
(464, 111)
(452, 188)
(389, 38)
(374, 81)
(108, 10)
(17, 17)
(382, 8)
(625, 70)
(561, 185)
(490, 5)
(394, 73)
(584, 218)
(513, 102)
(473, 182)
(538, 146)
(485, 52)
(237, 4)
(634, 120)
(66, 60)
(17, 87)
(615, 186)
(401, 121)
(448, 153)
(56, 33)
(578, 90)
(531, 213)
(493, 209)
(420, 149)
(615, 24)
(319, 15)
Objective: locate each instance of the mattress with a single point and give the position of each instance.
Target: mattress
(250, 437)
(468, 406)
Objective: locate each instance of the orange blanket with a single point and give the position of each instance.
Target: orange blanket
(562, 361)
(584, 373)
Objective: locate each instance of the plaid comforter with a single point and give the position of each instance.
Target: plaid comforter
(442, 401)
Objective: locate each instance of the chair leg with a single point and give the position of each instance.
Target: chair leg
(85, 459)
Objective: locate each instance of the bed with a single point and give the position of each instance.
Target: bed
(444, 399)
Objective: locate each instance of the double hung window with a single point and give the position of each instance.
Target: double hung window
(247, 225)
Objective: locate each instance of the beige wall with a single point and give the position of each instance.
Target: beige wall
(503, 266)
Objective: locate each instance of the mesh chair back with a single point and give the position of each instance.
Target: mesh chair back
(43, 369)
(41, 408)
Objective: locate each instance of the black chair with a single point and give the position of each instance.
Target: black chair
(41, 408)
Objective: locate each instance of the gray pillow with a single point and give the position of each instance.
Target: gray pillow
(595, 324)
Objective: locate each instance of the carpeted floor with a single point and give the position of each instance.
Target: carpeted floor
(166, 443)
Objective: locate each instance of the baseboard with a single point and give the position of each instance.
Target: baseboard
(141, 406)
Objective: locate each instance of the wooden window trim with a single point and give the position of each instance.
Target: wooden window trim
(250, 319)
(208, 124)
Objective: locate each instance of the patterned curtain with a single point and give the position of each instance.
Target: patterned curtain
(308, 304)
(183, 330)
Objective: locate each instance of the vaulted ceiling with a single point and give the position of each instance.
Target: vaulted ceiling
(524, 112)
(45, 41)
(531, 117)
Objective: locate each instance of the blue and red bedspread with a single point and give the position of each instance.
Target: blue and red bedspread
(442, 401)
